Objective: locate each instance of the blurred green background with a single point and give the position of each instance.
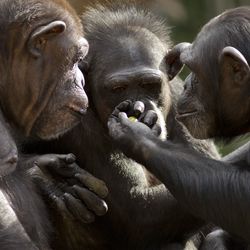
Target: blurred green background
(185, 17)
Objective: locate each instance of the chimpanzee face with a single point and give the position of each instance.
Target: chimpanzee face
(68, 101)
(215, 100)
(44, 82)
(196, 106)
(132, 70)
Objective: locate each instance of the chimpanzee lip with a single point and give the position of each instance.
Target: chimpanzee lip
(77, 111)
(186, 114)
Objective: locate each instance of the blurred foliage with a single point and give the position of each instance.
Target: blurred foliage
(186, 17)
(226, 147)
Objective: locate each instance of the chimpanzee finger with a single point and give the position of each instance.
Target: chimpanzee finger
(54, 162)
(122, 116)
(70, 158)
(66, 170)
(150, 118)
(67, 158)
(112, 126)
(47, 160)
(156, 130)
(93, 202)
(60, 206)
(139, 108)
(51, 192)
(124, 119)
(92, 183)
(113, 119)
(78, 210)
(124, 106)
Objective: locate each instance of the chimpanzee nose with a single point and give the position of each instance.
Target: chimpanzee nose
(80, 104)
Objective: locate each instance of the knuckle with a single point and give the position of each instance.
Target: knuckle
(89, 218)
(53, 161)
(70, 157)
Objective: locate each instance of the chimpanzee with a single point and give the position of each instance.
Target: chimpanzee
(9, 223)
(215, 103)
(8, 149)
(41, 95)
(127, 46)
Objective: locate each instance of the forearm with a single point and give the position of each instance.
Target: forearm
(213, 190)
(240, 156)
(27, 162)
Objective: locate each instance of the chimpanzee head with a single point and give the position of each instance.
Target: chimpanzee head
(127, 47)
(216, 100)
(41, 87)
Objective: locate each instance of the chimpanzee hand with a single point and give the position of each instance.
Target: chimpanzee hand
(130, 120)
(74, 192)
(129, 124)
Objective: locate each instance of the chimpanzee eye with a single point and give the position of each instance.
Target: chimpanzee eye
(119, 88)
(151, 83)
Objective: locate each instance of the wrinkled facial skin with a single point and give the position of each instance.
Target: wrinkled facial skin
(215, 101)
(68, 101)
(45, 83)
(137, 76)
(195, 108)
(198, 105)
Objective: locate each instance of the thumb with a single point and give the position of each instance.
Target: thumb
(123, 117)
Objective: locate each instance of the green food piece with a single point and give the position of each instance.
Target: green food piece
(133, 119)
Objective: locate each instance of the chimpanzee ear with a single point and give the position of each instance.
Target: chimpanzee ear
(233, 66)
(173, 60)
(42, 34)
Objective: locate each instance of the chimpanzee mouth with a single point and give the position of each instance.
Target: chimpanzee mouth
(186, 114)
(77, 111)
